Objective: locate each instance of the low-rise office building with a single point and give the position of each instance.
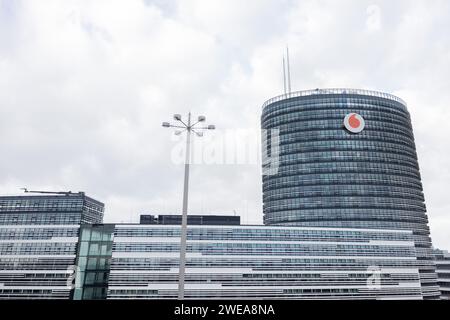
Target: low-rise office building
(442, 259)
(38, 243)
(261, 262)
(54, 246)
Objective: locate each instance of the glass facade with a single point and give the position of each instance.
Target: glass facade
(38, 243)
(443, 271)
(93, 262)
(262, 262)
(330, 177)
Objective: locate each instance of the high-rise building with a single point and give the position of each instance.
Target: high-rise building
(442, 258)
(346, 158)
(38, 243)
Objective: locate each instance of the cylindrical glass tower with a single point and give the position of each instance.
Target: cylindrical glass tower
(346, 158)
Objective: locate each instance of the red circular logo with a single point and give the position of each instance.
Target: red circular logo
(354, 123)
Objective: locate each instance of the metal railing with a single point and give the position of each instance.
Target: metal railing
(305, 93)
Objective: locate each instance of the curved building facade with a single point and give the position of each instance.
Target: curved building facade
(346, 158)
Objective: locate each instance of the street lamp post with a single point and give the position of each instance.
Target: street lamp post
(189, 128)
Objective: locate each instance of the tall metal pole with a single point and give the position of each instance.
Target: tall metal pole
(190, 128)
(184, 216)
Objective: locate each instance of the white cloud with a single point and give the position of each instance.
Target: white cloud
(84, 86)
(373, 22)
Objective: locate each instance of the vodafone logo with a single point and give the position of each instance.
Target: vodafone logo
(354, 123)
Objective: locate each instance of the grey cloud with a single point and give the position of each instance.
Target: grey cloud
(85, 85)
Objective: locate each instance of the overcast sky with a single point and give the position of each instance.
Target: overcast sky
(85, 85)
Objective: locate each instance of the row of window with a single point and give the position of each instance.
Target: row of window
(325, 125)
(43, 204)
(298, 105)
(353, 201)
(272, 249)
(274, 182)
(298, 192)
(299, 115)
(95, 249)
(295, 218)
(301, 170)
(357, 165)
(271, 263)
(12, 248)
(369, 219)
(226, 233)
(339, 135)
(37, 233)
(43, 218)
(347, 156)
(270, 136)
(342, 145)
(97, 235)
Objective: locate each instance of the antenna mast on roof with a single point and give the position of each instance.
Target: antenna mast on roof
(284, 76)
(288, 70)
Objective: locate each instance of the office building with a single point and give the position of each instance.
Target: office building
(346, 158)
(48, 251)
(262, 262)
(38, 243)
(442, 259)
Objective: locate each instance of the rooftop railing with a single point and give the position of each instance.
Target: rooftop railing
(313, 92)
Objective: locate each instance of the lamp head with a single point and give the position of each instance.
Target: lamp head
(166, 124)
(177, 117)
(201, 118)
(211, 127)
